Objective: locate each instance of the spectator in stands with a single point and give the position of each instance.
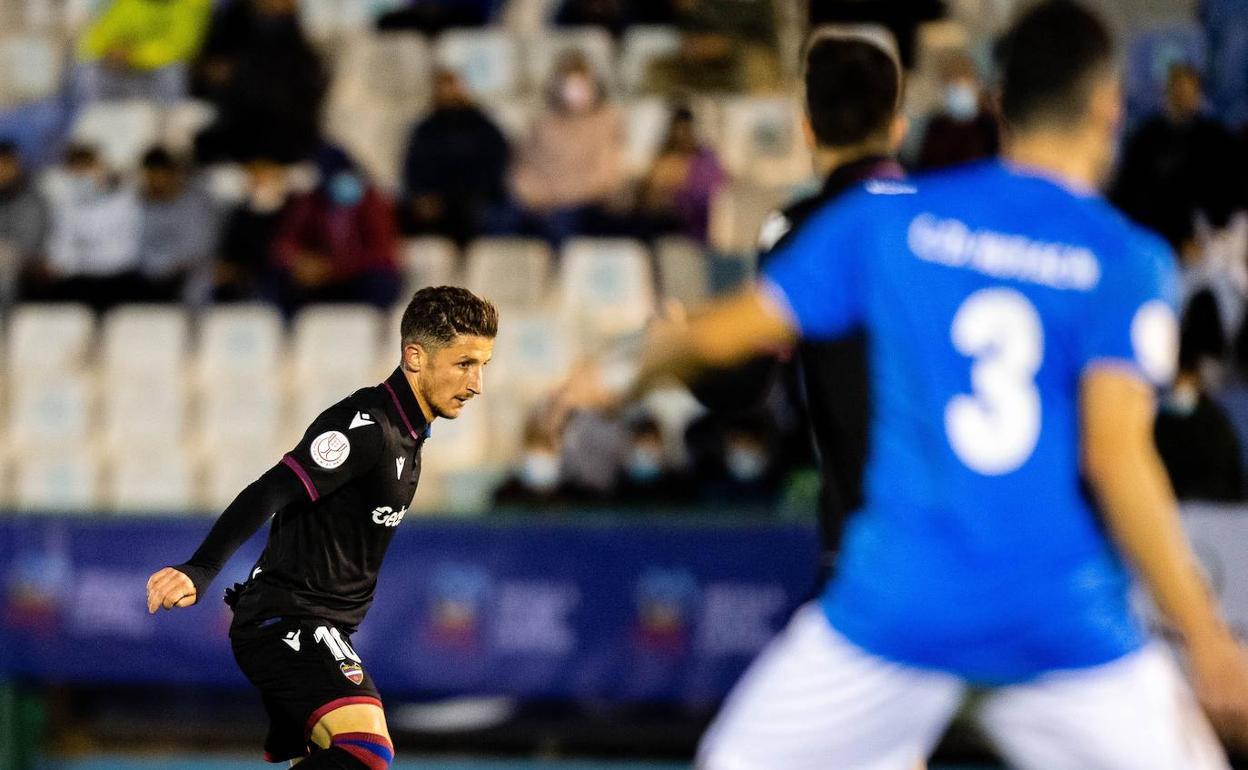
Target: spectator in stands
(433, 16)
(266, 81)
(140, 49)
(732, 462)
(675, 194)
(23, 219)
(570, 169)
(338, 243)
(964, 129)
(93, 247)
(727, 45)
(179, 228)
(647, 479)
(1181, 163)
(454, 175)
(1196, 439)
(249, 232)
(537, 480)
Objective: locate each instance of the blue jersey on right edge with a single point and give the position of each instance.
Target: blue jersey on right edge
(985, 292)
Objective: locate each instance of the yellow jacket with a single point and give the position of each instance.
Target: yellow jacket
(151, 33)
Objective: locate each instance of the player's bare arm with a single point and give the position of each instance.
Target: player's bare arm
(1121, 463)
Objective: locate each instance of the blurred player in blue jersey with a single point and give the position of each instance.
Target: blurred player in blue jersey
(1017, 327)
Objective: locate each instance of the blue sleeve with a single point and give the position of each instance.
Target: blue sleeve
(1132, 320)
(816, 275)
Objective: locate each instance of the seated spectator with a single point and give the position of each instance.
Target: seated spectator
(727, 46)
(571, 166)
(23, 220)
(266, 81)
(732, 462)
(454, 175)
(93, 246)
(675, 194)
(647, 479)
(964, 130)
(338, 243)
(179, 228)
(140, 49)
(245, 251)
(1196, 439)
(537, 480)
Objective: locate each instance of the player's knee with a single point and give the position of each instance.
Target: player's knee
(370, 750)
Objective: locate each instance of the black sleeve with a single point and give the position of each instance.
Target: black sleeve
(342, 444)
(273, 491)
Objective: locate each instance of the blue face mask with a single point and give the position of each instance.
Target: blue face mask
(345, 189)
(961, 101)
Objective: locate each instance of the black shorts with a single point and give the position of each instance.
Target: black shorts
(304, 668)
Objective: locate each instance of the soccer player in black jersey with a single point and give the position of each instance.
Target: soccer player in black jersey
(336, 500)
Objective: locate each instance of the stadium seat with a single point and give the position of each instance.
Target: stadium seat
(461, 443)
(513, 116)
(428, 261)
(238, 410)
(122, 130)
(487, 60)
(183, 121)
(156, 480)
(48, 338)
(239, 342)
(66, 480)
(682, 270)
(511, 272)
(30, 68)
(244, 462)
(737, 215)
(645, 130)
(52, 410)
(395, 67)
(762, 141)
(606, 286)
(544, 51)
(642, 46)
(142, 341)
(142, 410)
(533, 353)
(335, 352)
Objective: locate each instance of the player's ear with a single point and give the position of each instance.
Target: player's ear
(414, 357)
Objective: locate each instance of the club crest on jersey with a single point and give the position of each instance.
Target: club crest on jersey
(352, 671)
(330, 449)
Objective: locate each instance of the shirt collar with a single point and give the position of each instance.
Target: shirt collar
(405, 403)
(870, 167)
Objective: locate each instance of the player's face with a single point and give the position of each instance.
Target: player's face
(451, 376)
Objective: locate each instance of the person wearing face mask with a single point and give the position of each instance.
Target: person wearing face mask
(570, 170)
(93, 246)
(675, 194)
(1194, 435)
(338, 243)
(249, 232)
(179, 229)
(962, 131)
(646, 478)
(537, 479)
(140, 49)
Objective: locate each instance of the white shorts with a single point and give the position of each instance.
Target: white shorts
(815, 701)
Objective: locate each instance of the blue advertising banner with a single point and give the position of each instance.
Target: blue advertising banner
(621, 611)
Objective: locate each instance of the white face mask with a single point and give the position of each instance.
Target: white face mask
(645, 464)
(1182, 400)
(746, 463)
(961, 101)
(540, 471)
(577, 92)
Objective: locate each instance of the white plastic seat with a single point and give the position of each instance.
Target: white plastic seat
(229, 466)
(511, 272)
(141, 341)
(66, 480)
(395, 67)
(487, 59)
(607, 286)
(184, 121)
(461, 443)
(683, 274)
(645, 130)
(46, 339)
(640, 48)
(156, 480)
(122, 130)
(141, 411)
(52, 411)
(532, 353)
(544, 51)
(762, 141)
(335, 352)
(428, 261)
(514, 117)
(241, 410)
(738, 212)
(239, 342)
(30, 67)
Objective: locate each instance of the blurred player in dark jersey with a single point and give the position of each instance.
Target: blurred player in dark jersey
(336, 500)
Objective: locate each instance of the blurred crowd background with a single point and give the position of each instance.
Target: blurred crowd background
(211, 211)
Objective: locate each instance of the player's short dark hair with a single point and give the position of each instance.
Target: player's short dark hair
(1049, 60)
(852, 90)
(438, 314)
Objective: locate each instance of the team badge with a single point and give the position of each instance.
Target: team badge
(352, 671)
(330, 449)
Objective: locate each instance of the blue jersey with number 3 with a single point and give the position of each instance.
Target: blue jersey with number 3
(986, 292)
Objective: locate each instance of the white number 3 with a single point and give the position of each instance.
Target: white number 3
(994, 431)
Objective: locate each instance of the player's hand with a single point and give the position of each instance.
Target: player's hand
(169, 588)
(1219, 671)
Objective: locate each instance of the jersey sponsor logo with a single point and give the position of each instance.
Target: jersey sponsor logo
(398, 467)
(292, 639)
(330, 449)
(387, 516)
(352, 671)
(359, 420)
